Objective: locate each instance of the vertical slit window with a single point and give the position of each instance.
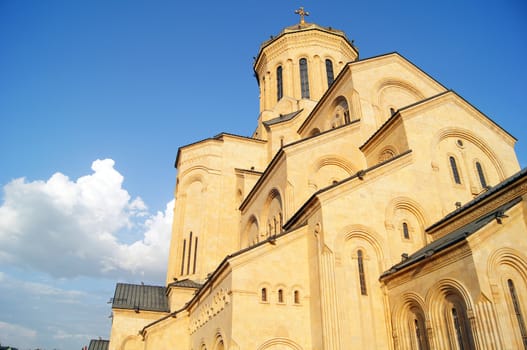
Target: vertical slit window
(189, 253)
(304, 81)
(329, 72)
(457, 327)
(406, 232)
(195, 254)
(279, 84)
(362, 279)
(455, 172)
(481, 175)
(418, 335)
(280, 296)
(183, 256)
(296, 297)
(518, 312)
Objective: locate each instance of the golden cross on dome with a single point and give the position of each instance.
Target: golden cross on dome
(302, 13)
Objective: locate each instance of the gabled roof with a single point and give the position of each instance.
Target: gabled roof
(98, 344)
(140, 297)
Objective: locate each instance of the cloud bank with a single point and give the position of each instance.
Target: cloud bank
(78, 228)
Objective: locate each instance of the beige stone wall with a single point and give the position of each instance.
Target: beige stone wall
(126, 325)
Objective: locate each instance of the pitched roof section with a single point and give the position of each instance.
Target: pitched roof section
(186, 283)
(282, 118)
(140, 297)
(98, 344)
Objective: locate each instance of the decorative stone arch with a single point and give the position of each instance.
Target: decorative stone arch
(340, 113)
(404, 336)
(437, 300)
(410, 205)
(382, 86)
(507, 269)
(368, 235)
(219, 343)
(467, 135)
(509, 257)
(260, 291)
(313, 132)
(386, 153)
(273, 212)
(131, 341)
(247, 238)
(279, 344)
(319, 179)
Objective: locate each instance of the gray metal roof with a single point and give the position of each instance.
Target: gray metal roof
(98, 344)
(140, 297)
(282, 118)
(452, 238)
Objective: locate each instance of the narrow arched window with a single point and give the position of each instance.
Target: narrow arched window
(280, 296)
(481, 175)
(518, 312)
(362, 279)
(264, 294)
(279, 84)
(406, 232)
(329, 72)
(281, 218)
(296, 297)
(418, 335)
(455, 172)
(304, 81)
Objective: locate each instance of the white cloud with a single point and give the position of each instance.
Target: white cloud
(72, 228)
(16, 334)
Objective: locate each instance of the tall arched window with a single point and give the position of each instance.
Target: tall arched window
(518, 312)
(406, 232)
(455, 172)
(296, 297)
(362, 279)
(329, 72)
(456, 312)
(183, 256)
(304, 81)
(280, 296)
(481, 175)
(279, 84)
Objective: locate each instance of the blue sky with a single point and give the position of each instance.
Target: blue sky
(96, 97)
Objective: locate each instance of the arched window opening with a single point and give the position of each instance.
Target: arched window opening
(279, 84)
(304, 81)
(264, 294)
(362, 279)
(281, 218)
(481, 175)
(296, 297)
(455, 172)
(459, 324)
(329, 72)
(280, 296)
(518, 312)
(406, 232)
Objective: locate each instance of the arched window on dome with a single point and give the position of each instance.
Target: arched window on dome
(279, 84)
(304, 81)
(329, 72)
(264, 295)
(280, 296)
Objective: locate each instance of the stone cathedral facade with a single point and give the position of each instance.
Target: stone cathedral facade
(372, 208)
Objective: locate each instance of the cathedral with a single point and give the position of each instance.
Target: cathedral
(371, 208)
